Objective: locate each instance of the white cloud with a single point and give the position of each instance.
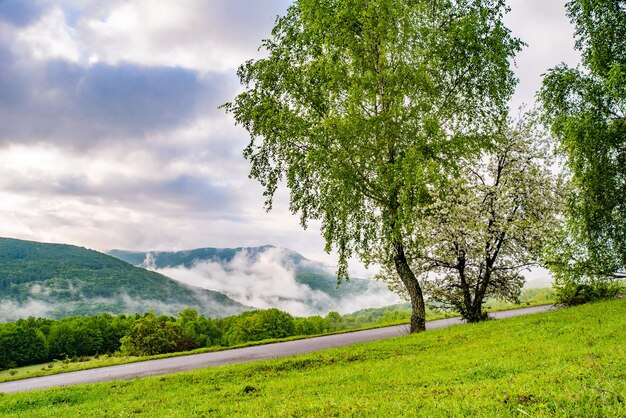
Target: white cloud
(262, 281)
(50, 38)
(549, 34)
(206, 35)
(39, 290)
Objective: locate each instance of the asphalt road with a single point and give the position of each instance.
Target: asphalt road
(238, 355)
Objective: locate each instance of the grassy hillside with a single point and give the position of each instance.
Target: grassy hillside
(570, 362)
(55, 280)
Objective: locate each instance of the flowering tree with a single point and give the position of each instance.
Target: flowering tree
(489, 225)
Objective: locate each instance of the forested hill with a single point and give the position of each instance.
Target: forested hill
(55, 280)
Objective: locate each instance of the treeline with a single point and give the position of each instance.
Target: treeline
(32, 341)
(37, 340)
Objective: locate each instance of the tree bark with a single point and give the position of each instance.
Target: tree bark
(418, 308)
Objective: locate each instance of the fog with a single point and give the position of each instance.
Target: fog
(267, 279)
(12, 311)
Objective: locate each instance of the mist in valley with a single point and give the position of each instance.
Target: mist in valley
(268, 279)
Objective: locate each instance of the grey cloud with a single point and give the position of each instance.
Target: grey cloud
(199, 193)
(183, 192)
(67, 104)
(21, 12)
(134, 100)
(243, 21)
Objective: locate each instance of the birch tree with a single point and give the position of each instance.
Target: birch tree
(363, 108)
(585, 108)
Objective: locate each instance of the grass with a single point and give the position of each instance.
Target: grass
(570, 362)
(539, 297)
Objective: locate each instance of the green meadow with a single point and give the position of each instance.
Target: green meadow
(569, 362)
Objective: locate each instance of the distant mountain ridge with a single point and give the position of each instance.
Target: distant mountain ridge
(188, 258)
(246, 266)
(59, 280)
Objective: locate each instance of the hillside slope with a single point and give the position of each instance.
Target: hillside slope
(56, 280)
(569, 362)
(265, 276)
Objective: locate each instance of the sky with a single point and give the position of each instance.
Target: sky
(110, 135)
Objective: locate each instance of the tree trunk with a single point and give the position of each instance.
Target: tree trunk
(475, 313)
(418, 309)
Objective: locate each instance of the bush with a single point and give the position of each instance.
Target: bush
(260, 325)
(571, 293)
(156, 335)
(202, 331)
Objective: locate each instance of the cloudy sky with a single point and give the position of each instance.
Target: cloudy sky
(110, 136)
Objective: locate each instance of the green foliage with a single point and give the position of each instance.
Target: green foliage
(153, 334)
(312, 325)
(363, 108)
(68, 339)
(21, 344)
(571, 293)
(259, 325)
(586, 109)
(33, 341)
(566, 363)
(202, 331)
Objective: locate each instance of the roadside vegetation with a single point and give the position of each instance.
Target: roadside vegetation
(37, 347)
(569, 362)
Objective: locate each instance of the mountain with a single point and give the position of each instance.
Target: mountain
(265, 276)
(188, 258)
(56, 280)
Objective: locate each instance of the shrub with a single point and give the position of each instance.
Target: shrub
(570, 293)
(260, 325)
(155, 335)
